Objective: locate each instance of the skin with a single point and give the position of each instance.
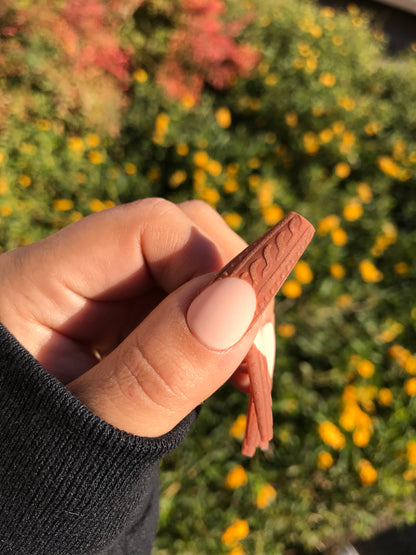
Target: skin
(102, 306)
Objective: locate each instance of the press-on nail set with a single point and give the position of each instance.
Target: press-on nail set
(265, 265)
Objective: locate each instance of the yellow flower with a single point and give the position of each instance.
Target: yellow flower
(97, 205)
(410, 387)
(304, 49)
(353, 417)
(315, 31)
(338, 127)
(365, 368)
(153, 174)
(342, 170)
(291, 119)
(410, 365)
(337, 271)
(264, 193)
(201, 159)
(271, 79)
(130, 168)
(75, 216)
(25, 180)
(339, 237)
(353, 9)
(401, 268)
(43, 124)
(364, 192)
(348, 140)
(232, 169)
(286, 330)
(367, 473)
(409, 474)
(292, 289)
(337, 40)
(353, 211)
(92, 140)
(369, 272)
(325, 460)
(272, 214)
(76, 144)
(254, 163)
(327, 224)
(231, 185)
(237, 550)
(233, 219)
(327, 79)
(266, 495)
(311, 142)
(95, 157)
(6, 210)
(236, 532)
(350, 394)
(238, 427)
(411, 451)
(372, 128)
(344, 300)
(140, 75)
(303, 272)
(385, 397)
(361, 437)
(223, 117)
(346, 102)
(388, 166)
(236, 477)
(214, 168)
(327, 12)
(188, 101)
(331, 435)
(177, 178)
(210, 195)
(182, 149)
(326, 135)
(63, 204)
(4, 186)
(161, 128)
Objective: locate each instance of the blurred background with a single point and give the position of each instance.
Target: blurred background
(257, 108)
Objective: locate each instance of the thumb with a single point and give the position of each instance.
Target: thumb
(176, 358)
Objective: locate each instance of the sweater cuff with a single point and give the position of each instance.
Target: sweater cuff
(69, 480)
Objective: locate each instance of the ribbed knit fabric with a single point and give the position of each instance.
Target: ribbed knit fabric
(70, 484)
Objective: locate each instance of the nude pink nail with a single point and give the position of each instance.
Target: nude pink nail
(222, 313)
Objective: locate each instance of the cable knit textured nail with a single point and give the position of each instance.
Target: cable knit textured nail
(265, 265)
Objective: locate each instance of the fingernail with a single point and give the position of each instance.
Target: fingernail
(222, 313)
(265, 342)
(267, 262)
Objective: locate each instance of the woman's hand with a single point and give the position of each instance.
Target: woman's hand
(102, 305)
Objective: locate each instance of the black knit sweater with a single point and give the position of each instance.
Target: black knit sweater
(70, 484)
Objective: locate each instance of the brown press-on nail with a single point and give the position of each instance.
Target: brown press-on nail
(266, 264)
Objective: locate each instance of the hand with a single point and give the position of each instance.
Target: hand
(103, 303)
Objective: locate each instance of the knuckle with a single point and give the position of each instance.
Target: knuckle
(139, 380)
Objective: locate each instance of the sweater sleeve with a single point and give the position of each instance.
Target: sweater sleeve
(70, 483)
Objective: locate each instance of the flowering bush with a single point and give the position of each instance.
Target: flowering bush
(322, 123)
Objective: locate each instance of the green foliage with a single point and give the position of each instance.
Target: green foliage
(326, 126)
